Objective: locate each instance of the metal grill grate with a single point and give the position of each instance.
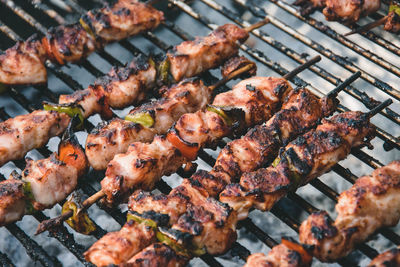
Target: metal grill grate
(277, 42)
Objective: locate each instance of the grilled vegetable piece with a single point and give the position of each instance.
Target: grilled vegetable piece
(118, 247)
(347, 11)
(157, 254)
(286, 254)
(120, 19)
(191, 58)
(388, 258)
(371, 203)
(79, 221)
(25, 132)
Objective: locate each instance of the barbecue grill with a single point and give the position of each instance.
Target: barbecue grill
(287, 41)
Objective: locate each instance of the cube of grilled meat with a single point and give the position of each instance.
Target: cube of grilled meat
(24, 63)
(303, 159)
(300, 111)
(111, 138)
(371, 203)
(235, 63)
(279, 256)
(388, 258)
(51, 180)
(191, 58)
(120, 19)
(25, 132)
(108, 140)
(121, 87)
(118, 247)
(157, 254)
(210, 225)
(392, 23)
(138, 167)
(68, 43)
(347, 11)
(12, 201)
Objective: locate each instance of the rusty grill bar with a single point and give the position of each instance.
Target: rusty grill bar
(45, 13)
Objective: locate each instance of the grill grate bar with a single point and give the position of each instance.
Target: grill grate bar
(258, 12)
(275, 66)
(5, 261)
(354, 92)
(36, 252)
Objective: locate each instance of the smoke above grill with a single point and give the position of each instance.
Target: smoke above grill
(287, 41)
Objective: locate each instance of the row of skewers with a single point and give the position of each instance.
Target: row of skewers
(24, 63)
(254, 101)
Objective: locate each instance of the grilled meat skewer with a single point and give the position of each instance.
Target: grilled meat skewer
(167, 209)
(371, 203)
(203, 229)
(24, 62)
(388, 258)
(43, 183)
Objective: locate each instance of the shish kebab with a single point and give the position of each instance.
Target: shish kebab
(349, 12)
(120, 88)
(250, 102)
(45, 182)
(371, 203)
(209, 226)
(259, 144)
(69, 184)
(24, 63)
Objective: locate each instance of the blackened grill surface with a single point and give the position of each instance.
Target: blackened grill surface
(277, 48)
